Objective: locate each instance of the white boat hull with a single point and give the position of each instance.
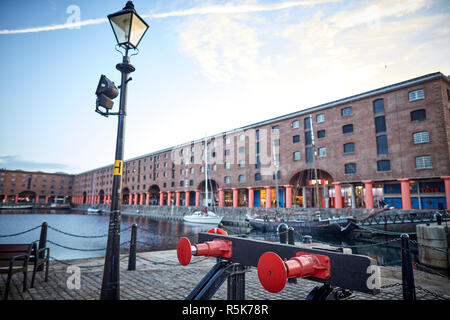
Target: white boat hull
(197, 217)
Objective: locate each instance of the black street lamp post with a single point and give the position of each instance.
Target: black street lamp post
(129, 29)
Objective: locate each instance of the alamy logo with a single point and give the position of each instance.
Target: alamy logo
(74, 280)
(75, 15)
(374, 280)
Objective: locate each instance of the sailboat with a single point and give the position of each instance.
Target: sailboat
(205, 215)
(93, 208)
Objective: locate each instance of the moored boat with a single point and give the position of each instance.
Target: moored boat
(17, 207)
(204, 216)
(93, 209)
(332, 226)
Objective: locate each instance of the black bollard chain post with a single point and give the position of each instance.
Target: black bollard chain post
(409, 290)
(42, 243)
(282, 231)
(291, 241)
(132, 254)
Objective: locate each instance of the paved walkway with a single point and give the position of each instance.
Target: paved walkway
(159, 276)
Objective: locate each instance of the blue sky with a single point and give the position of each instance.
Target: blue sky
(204, 67)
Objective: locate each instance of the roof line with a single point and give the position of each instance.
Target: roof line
(406, 83)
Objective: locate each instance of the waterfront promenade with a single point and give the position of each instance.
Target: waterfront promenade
(159, 276)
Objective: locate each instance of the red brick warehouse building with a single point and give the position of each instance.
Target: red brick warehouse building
(18, 186)
(391, 144)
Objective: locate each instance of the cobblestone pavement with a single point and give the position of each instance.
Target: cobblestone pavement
(159, 276)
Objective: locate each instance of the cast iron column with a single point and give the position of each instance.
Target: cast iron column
(111, 272)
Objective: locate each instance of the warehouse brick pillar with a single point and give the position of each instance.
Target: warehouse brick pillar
(186, 198)
(161, 198)
(147, 199)
(221, 197)
(169, 198)
(268, 197)
(37, 199)
(197, 198)
(337, 195)
(235, 197)
(288, 196)
(251, 197)
(141, 202)
(368, 197)
(447, 189)
(406, 195)
(177, 198)
(46, 199)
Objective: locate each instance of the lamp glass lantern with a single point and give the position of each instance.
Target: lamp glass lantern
(128, 26)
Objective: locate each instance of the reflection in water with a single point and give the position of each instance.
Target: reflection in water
(152, 235)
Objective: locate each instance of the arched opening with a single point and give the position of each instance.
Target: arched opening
(27, 196)
(304, 188)
(125, 196)
(101, 196)
(213, 195)
(154, 195)
(84, 197)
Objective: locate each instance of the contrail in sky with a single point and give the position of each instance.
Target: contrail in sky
(223, 9)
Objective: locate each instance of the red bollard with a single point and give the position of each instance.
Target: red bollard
(215, 248)
(273, 271)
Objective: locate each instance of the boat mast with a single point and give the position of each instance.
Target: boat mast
(92, 192)
(316, 184)
(276, 165)
(206, 171)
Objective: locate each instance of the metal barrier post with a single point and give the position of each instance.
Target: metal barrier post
(409, 290)
(291, 241)
(42, 243)
(282, 231)
(439, 219)
(236, 283)
(132, 254)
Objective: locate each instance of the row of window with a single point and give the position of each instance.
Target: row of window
(422, 162)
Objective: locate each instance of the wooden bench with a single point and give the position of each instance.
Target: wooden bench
(14, 258)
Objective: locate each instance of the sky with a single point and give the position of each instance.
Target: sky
(203, 67)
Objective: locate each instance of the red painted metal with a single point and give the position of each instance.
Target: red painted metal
(215, 248)
(184, 251)
(273, 271)
(218, 231)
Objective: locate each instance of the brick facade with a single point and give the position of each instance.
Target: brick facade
(171, 173)
(36, 187)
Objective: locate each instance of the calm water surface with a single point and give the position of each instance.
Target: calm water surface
(161, 235)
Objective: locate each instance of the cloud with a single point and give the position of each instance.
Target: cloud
(222, 9)
(222, 46)
(236, 9)
(14, 163)
(56, 26)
